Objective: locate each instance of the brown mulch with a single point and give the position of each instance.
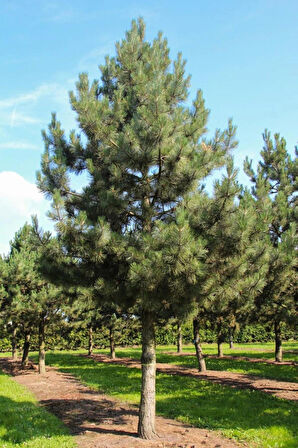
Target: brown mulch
(99, 421)
(281, 389)
(239, 358)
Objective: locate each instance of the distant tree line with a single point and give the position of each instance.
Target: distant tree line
(67, 337)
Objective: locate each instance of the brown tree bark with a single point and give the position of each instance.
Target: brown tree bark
(14, 344)
(41, 347)
(26, 347)
(220, 340)
(197, 343)
(112, 344)
(232, 331)
(278, 342)
(219, 348)
(90, 341)
(179, 338)
(146, 427)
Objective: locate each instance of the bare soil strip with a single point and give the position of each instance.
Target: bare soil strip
(239, 358)
(281, 389)
(99, 421)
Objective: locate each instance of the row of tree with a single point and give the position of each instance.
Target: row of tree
(143, 237)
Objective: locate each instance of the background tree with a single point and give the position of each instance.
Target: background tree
(275, 181)
(236, 261)
(125, 235)
(32, 301)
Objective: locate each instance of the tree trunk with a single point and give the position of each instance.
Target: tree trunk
(278, 342)
(197, 343)
(14, 344)
(26, 346)
(219, 348)
(112, 344)
(90, 342)
(146, 427)
(41, 346)
(220, 340)
(179, 338)
(232, 330)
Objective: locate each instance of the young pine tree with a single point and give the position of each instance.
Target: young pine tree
(32, 301)
(124, 234)
(236, 261)
(276, 182)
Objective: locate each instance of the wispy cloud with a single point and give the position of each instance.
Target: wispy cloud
(19, 145)
(53, 89)
(17, 119)
(55, 11)
(96, 56)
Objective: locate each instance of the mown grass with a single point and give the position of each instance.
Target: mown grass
(251, 350)
(24, 424)
(260, 369)
(251, 416)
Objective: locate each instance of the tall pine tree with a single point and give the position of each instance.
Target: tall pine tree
(125, 235)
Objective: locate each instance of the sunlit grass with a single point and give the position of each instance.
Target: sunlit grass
(24, 424)
(245, 415)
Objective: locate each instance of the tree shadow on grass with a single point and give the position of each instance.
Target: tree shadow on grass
(91, 414)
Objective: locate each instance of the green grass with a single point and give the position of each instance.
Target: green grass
(24, 424)
(252, 350)
(257, 418)
(260, 369)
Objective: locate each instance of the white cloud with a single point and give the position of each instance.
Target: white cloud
(33, 108)
(19, 200)
(19, 145)
(17, 119)
(91, 60)
(54, 90)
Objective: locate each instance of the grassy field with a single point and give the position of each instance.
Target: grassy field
(24, 424)
(250, 350)
(261, 369)
(251, 416)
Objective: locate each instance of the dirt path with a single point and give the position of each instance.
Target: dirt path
(98, 421)
(238, 358)
(281, 389)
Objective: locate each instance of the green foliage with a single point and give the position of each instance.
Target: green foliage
(236, 261)
(24, 424)
(275, 183)
(143, 149)
(30, 302)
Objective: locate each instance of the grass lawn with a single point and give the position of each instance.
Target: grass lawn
(251, 350)
(251, 416)
(261, 369)
(24, 424)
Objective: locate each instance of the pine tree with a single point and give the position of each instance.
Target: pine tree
(125, 234)
(276, 182)
(9, 325)
(32, 301)
(236, 262)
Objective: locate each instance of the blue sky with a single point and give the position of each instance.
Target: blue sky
(242, 54)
